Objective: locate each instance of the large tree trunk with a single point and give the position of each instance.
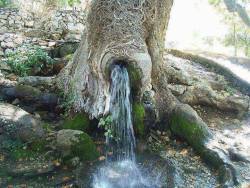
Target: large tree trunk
(118, 31)
(132, 32)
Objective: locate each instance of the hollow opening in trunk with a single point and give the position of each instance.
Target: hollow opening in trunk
(134, 75)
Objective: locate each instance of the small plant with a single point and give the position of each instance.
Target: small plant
(105, 123)
(27, 58)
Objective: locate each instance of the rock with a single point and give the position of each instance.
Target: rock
(1, 52)
(177, 90)
(19, 124)
(36, 81)
(29, 24)
(237, 155)
(67, 48)
(5, 67)
(32, 169)
(200, 93)
(26, 94)
(23, 92)
(79, 122)
(10, 44)
(76, 143)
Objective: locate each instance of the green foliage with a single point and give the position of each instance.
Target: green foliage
(17, 149)
(242, 38)
(138, 115)
(26, 58)
(78, 122)
(72, 2)
(214, 2)
(4, 3)
(239, 31)
(85, 148)
(69, 2)
(105, 123)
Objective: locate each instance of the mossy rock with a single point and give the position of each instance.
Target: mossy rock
(78, 122)
(74, 143)
(139, 115)
(85, 148)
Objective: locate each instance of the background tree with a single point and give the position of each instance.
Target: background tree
(236, 16)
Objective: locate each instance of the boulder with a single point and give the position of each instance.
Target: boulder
(19, 124)
(75, 143)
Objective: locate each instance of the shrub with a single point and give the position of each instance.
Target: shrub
(26, 58)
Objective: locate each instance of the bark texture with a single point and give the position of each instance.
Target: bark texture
(118, 31)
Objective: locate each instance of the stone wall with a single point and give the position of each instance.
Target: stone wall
(60, 24)
(18, 28)
(13, 20)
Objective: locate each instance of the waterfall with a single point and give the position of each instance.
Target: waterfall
(122, 144)
(121, 170)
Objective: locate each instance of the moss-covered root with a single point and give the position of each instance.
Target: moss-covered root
(185, 123)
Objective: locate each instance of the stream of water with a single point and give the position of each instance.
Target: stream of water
(120, 169)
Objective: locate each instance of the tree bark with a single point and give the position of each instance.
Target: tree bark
(118, 31)
(132, 33)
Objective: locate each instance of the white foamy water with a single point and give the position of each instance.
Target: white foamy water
(121, 170)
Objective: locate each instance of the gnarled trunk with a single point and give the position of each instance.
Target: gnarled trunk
(132, 32)
(118, 32)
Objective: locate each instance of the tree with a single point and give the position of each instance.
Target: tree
(237, 18)
(132, 33)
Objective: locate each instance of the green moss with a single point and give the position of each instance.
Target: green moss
(138, 115)
(22, 153)
(69, 57)
(197, 135)
(135, 78)
(38, 145)
(78, 122)
(192, 132)
(85, 148)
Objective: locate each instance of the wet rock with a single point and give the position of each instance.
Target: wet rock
(237, 155)
(17, 123)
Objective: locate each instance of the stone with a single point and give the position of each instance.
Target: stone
(8, 44)
(74, 143)
(51, 44)
(3, 16)
(1, 52)
(177, 90)
(19, 124)
(29, 23)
